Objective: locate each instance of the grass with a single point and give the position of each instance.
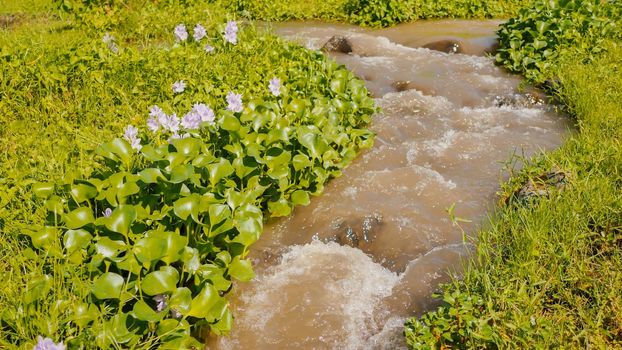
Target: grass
(548, 273)
(375, 13)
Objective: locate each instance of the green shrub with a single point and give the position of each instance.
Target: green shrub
(531, 42)
(379, 13)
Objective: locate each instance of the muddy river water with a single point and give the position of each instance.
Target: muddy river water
(346, 271)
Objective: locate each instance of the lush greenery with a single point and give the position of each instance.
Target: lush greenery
(532, 41)
(375, 13)
(117, 244)
(547, 273)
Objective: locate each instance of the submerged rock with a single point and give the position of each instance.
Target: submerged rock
(447, 46)
(540, 186)
(357, 232)
(338, 43)
(400, 86)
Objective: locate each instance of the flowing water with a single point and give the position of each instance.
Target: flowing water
(347, 270)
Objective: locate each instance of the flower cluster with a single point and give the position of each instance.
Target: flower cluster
(179, 86)
(275, 86)
(181, 33)
(48, 344)
(234, 102)
(131, 135)
(231, 32)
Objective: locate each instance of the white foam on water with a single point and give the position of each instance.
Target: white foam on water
(328, 293)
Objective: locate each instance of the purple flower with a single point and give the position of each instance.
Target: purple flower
(131, 135)
(234, 102)
(171, 123)
(157, 115)
(176, 314)
(231, 32)
(199, 32)
(48, 344)
(181, 34)
(161, 302)
(275, 86)
(179, 86)
(192, 120)
(208, 48)
(107, 212)
(205, 113)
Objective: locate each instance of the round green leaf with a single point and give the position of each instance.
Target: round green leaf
(78, 218)
(76, 239)
(241, 269)
(160, 282)
(108, 286)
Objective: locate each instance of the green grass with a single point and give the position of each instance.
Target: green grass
(548, 274)
(375, 13)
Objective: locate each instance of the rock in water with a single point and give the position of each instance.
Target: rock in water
(447, 46)
(338, 43)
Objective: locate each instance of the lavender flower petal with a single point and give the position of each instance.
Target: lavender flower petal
(179, 86)
(181, 34)
(205, 113)
(234, 102)
(48, 344)
(199, 32)
(275, 86)
(231, 32)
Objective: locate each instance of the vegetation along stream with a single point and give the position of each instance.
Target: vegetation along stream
(347, 270)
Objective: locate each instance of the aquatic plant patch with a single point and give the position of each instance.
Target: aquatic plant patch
(531, 42)
(221, 127)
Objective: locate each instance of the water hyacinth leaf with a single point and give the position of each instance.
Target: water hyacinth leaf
(181, 173)
(108, 286)
(241, 270)
(83, 192)
(180, 300)
(123, 328)
(301, 161)
(187, 206)
(55, 205)
(79, 218)
(149, 249)
(121, 219)
(151, 154)
(117, 149)
(127, 189)
(76, 239)
(142, 311)
(188, 146)
(230, 122)
(181, 343)
(174, 244)
(219, 170)
(279, 208)
(300, 197)
(43, 238)
(130, 264)
(43, 190)
(108, 248)
(171, 328)
(160, 282)
(38, 287)
(224, 324)
(203, 302)
(84, 314)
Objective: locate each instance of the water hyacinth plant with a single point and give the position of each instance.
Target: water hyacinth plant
(161, 225)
